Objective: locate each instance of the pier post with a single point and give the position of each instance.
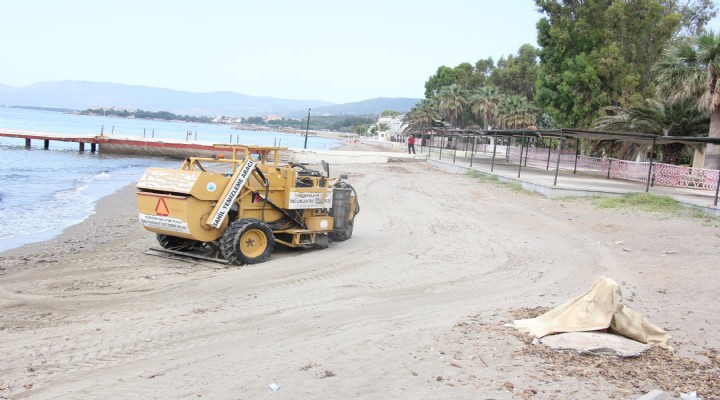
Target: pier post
(27, 142)
(82, 146)
(93, 147)
(46, 145)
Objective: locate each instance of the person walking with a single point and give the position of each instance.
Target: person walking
(411, 144)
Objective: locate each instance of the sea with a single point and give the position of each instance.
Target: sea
(43, 192)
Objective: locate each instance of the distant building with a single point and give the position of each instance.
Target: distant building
(396, 127)
(107, 108)
(272, 117)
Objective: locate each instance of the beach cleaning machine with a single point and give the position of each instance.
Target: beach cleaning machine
(238, 208)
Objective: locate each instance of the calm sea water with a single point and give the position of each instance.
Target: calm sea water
(42, 192)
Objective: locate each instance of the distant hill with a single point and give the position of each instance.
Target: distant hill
(80, 95)
(365, 107)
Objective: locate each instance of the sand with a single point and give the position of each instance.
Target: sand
(411, 307)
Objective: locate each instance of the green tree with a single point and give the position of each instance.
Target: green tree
(516, 112)
(360, 129)
(464, 75)
(662, 119)
(422, 115)
(452, 102)
(389, 113)
(484, 104)
(517, 74)
(445, 76)
(597, 53)
(690, 70)
(694, 14)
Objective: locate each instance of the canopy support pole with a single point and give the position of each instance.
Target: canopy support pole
(472, 152)
(547, 166)
(522, 145)
(652, 157)
(577, 154)
(492, 166)
(557, 164)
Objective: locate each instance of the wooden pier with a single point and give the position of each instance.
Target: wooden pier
(47, 137)
(122, 145)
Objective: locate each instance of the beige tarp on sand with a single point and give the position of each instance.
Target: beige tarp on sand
(599, 308)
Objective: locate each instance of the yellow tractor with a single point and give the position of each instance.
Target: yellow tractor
(237, 208)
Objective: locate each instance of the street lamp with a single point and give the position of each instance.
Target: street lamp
(306, 129)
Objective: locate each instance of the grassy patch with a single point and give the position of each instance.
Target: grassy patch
(665, 205)
(494, 180)
(641, 201)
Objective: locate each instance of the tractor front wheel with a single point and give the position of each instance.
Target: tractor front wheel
(247, 241)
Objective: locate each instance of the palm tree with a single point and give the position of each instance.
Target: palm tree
(516, 112)
(670, 119)
(422, 115)
(452, 102)
(484, 103)
(690, 70)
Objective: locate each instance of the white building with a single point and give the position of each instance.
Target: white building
(395, 124)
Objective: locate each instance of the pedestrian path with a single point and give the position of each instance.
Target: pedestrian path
(567, 183)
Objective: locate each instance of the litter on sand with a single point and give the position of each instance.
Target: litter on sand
(600, 308)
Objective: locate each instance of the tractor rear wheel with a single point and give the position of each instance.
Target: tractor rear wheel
(344, 233)
(174, 242)
(247, 241)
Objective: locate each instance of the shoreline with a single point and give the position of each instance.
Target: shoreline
(106, 203)
(104, 207)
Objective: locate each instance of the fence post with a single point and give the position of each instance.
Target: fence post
(717, 188)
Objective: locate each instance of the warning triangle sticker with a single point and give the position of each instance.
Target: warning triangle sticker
(161, 208)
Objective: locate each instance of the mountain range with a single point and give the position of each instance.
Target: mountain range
(81, 95)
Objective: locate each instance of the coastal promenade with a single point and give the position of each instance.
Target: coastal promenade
(543, 180)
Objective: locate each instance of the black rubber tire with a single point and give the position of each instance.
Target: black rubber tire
(247, 241)
(341, 235)
(174, 242)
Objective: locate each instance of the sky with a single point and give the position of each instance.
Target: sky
(333, 50)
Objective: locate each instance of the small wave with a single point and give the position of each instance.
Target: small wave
(13, 176)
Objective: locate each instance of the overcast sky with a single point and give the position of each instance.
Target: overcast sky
(333, 50)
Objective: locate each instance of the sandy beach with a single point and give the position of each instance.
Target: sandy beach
(413, 306)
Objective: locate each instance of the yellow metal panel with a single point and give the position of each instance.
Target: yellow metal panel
(168, 180)
(209, 186)
(203, 185)
(181, 216)
(322, 223)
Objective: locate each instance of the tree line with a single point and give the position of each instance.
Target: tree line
(164, 115)
(623, 65)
